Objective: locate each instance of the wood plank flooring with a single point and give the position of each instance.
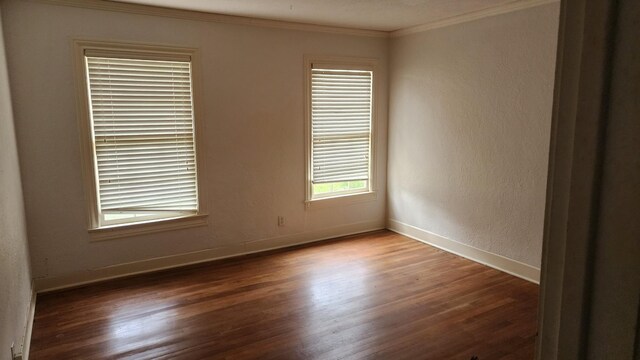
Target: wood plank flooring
(372, 296)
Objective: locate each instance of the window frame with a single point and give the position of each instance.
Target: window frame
(347, 197)
(97, 231)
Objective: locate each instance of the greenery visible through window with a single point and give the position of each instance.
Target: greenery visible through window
(337, 187)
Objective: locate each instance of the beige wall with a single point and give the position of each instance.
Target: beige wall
(15, 276)
(252, 87)
(470, 115)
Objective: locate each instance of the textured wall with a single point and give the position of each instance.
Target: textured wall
(470, 115)
(15, 276)
(252, 110)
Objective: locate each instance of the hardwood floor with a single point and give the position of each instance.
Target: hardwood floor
(372, 296)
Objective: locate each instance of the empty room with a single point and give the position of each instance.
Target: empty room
(319, 179)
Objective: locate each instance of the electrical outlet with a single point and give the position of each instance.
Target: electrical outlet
(14, 355)
(280, 220)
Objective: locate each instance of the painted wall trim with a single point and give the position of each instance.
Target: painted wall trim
(172, 261)
(210, 17)
(28, 328)
(475, 15)
(495, 261)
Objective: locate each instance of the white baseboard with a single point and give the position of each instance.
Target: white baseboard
(26, 339)
(120, 270)
(495, 261)
(499, 262)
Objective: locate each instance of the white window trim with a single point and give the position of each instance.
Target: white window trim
(349, 197)
(146, 51)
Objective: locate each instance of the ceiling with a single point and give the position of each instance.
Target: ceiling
(384, 15)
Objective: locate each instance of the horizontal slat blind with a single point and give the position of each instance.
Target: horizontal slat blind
(143, 130)
(341, 124)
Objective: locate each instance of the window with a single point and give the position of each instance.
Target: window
(142, 134)
(339, 128)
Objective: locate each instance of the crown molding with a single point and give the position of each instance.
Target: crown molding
(288, 25)
(210, 17)
(475, 15)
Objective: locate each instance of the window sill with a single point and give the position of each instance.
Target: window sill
(341, 200)
(146, 227)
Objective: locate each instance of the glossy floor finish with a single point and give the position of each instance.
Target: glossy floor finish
(372, 296)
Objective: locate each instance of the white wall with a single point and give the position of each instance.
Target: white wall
(253, 115)
(15, 276)
(470, 115)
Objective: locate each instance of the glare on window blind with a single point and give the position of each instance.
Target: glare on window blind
(142, 119)
(341, 124)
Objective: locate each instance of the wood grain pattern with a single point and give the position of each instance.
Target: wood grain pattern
(375, 296)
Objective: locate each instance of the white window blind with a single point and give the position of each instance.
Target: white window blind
(143, 129)
(340, 124)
